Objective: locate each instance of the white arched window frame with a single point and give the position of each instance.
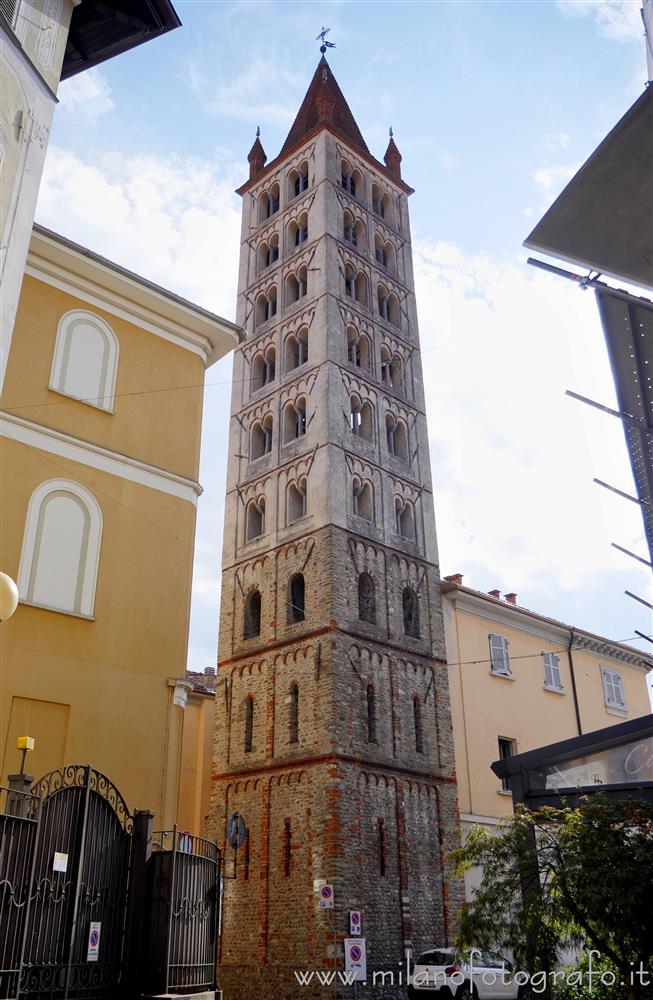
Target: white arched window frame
(61, 548)
(85, 369)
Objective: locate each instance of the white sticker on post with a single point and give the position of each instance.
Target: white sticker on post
(60, 862)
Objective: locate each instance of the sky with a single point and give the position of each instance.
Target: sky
(494, 107)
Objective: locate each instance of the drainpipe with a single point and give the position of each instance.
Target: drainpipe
(573, 681)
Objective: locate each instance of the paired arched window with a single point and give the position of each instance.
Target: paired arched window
(405, 518)
(355, 284)
(267, 253)
(388, 306)
(268, 203)
(358, 348)
(260, 440)
(298, 231)
(296, 285)
(392, 370)
(296, 501)
(384, 253)
(361, 421)
(255, 519)
(382, 204)
(296, 599)
(396, 437)
(410, 608)
(252, 616)
(249, 724)
(417, 722)
(61, 548)
(294, 420)
(370, 698)
(366, 599)
(85, 362)
(298, 181)
(351, 179)
(293, 734)
(263, 368)
(266, 306)
(296, 349)
(362, 499)
(353, 230)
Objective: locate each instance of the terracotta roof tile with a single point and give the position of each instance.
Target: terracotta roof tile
(324, 91)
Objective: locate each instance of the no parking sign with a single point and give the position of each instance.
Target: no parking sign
(326, 897)
(354, 922)
(355, 958)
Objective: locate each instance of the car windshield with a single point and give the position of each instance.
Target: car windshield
(435, 958)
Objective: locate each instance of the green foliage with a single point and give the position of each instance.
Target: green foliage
(590, 880)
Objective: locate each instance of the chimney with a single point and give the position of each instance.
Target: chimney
(511, 598)
(456, 578)
(495, 593)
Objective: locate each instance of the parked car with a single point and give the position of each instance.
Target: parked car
(475, 975)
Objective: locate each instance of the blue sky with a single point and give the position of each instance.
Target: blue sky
(494, 106)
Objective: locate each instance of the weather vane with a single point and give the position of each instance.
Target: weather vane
(325, 45)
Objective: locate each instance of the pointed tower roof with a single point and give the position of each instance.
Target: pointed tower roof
(256, 157)
(393, 158)
(324, 101)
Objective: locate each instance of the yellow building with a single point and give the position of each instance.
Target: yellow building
(100, 458)
(518, 681)
(197, 752)
(41, 43)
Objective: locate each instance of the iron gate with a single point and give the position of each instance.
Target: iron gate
(75, 927)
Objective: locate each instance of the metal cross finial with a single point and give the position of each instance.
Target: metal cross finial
(258, 131)
(325, 45)
(391, 132)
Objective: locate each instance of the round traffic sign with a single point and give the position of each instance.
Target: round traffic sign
(326, 892)
(236, 830)
(95, 937)
(355, 953)
(355, 917)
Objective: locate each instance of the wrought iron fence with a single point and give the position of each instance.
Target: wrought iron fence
(184, 902)
(19, 814)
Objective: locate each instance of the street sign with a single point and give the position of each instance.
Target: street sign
(326, 897)
(318, 883)
(93, 950)
(185, 843)
(355, 958)
(236, 830)
(354, 922)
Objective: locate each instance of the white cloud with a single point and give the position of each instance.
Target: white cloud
(554, 177)
(174, 220)
(264, 92)
(556, 140)
(87, 94)
(619, 20)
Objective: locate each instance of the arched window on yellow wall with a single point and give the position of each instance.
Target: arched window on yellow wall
(85, 362)
(61, 548)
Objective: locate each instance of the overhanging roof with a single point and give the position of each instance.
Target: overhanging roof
(628, 327)
(602, 219)
(101, 30)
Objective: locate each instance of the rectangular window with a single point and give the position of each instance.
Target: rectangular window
(613, 688)
(499, 658)
(507, 749)
(552, 671)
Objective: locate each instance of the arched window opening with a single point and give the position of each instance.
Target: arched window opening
(382, 301)
(397, 437)
(381, 847)
(85, 362)
(417, 720)
(390, 430)
(298, 231)
(252, 618)
(397, 374)
(386, 377)
(358, 349)
(296, 501)
(350, 280)
(371, 714)
(362, 500)
(61, 548)
(349, 232)
(350, 179)
(381, 204)
(296, 598)
(296, 286)
(380, 255)
(255, 521)
(266, 306)
(268, 253)
(261, 438)
(410, 606)
(297, 181)
(360, 288)
(249, 724)
(263, 368)
(366, 599)
(269, 203)
(405, 519)
(388, 306)
(293, 736)
(296, 349)
(287, 848)
(294, 420)
(361, 418)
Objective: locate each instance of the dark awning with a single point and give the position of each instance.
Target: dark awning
(616, 761)
(101, 30)
(602, 219)
(628, 327)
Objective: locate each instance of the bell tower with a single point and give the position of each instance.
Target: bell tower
(333, 726)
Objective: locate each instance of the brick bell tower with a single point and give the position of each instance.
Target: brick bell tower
(333, 727)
